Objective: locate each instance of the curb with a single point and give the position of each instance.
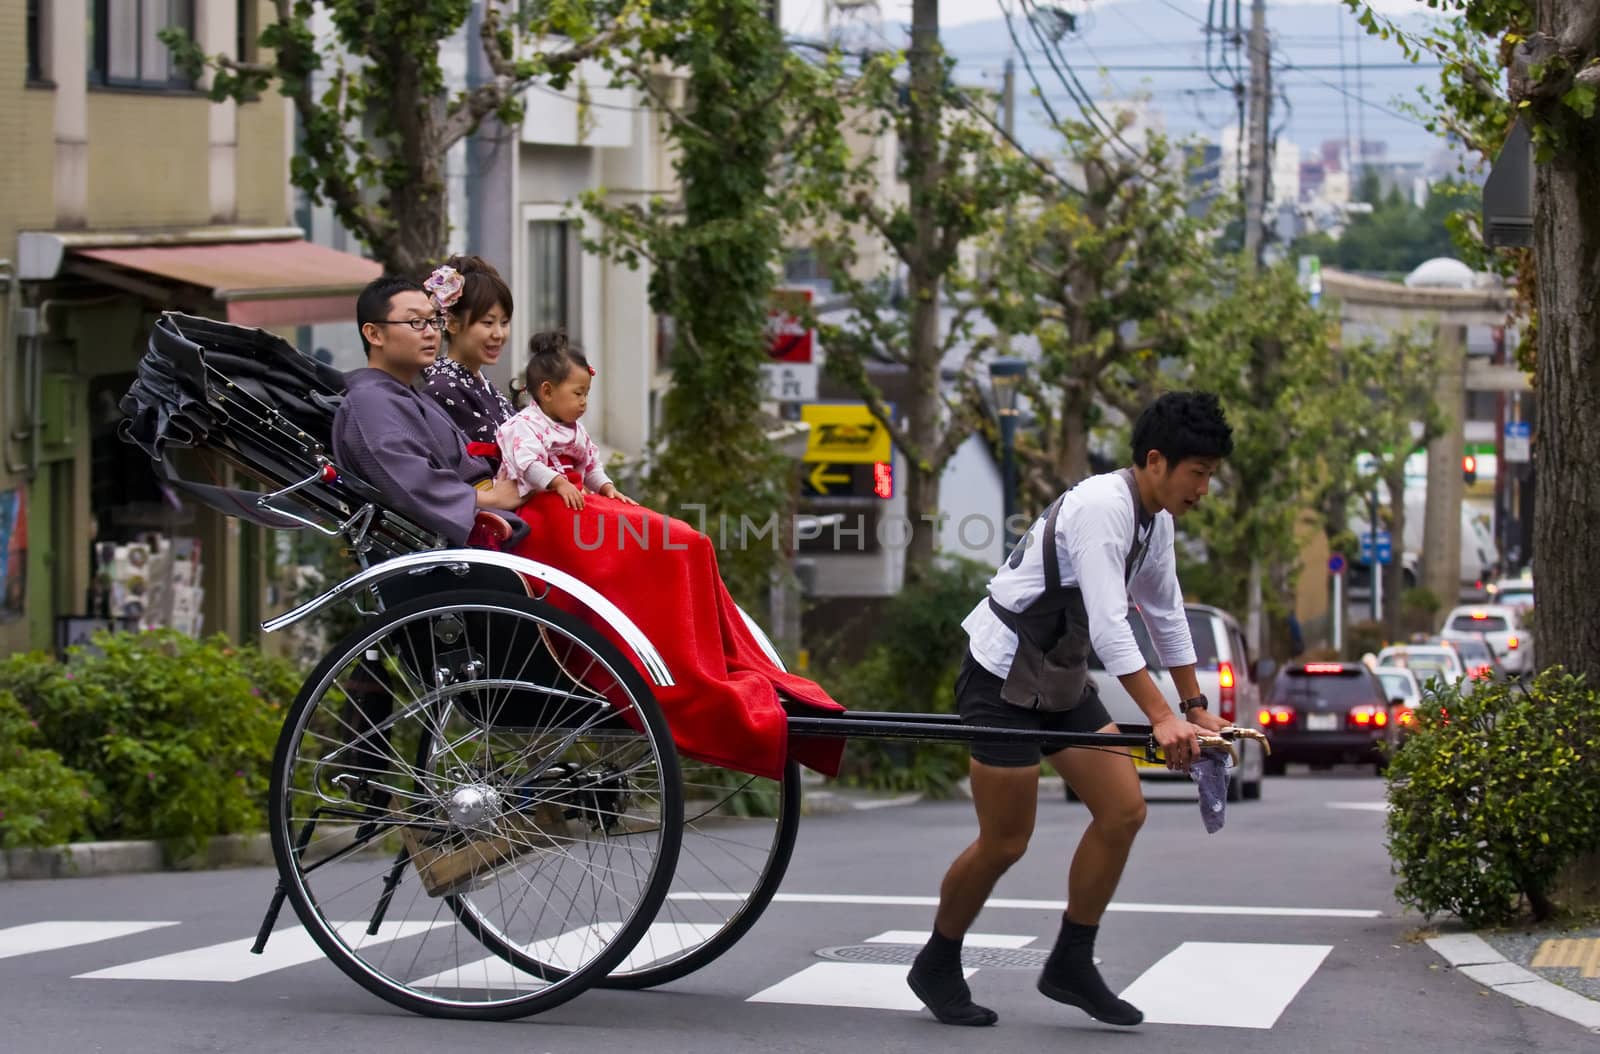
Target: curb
(829, 803)
(1473, 957)
(91, 859)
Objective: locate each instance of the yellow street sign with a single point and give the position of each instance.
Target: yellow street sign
(820, 477)
(844, 432)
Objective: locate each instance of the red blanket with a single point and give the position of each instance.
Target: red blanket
(724, 705)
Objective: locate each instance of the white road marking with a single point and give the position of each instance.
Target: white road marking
(863, 986)
(972, 940)
(1225, 985)
(1359, 806)
(1049, 905)
(570, 951)
(232, 960)
(48, 936)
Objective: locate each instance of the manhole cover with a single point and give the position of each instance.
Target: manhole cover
(902, 954)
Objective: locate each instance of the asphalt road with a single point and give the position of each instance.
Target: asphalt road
(1277, 934)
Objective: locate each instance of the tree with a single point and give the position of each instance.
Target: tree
(959, 177)
(1103, 277)
(1400, 417)
(1397, 235)
(1548, 53)
(712, 254)
(1268, 354)
(373, 142)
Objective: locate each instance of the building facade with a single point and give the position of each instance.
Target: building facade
(128, 192)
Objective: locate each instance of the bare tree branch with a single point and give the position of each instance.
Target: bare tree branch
(509, 80)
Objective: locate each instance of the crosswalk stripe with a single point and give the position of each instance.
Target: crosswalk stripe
(232, 960)
(861, 986)
(881, 900)
(1228, 985)
(49, 936)
(569, 951)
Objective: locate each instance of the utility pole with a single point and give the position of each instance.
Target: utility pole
(1255, 210)
(1008, 99)
(1259, 124)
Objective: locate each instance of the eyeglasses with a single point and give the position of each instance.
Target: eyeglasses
(417, 325)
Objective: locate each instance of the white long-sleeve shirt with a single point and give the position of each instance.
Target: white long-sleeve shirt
(1094, 533)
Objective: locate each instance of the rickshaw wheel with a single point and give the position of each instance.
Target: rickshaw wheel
(484, 747)
(738, 835)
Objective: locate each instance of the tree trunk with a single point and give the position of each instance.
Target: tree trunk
(1567, 450)
(923, 163)
(1072, 456)
(1394, 478)
(419, 231)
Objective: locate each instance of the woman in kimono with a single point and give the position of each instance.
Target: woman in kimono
(478, 304)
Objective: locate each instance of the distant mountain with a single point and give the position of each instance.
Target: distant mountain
(1320, 97)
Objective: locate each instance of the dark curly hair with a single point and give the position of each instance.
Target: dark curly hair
(1182, 425)
(551, 357)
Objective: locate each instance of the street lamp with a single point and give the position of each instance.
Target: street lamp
(1005, 377)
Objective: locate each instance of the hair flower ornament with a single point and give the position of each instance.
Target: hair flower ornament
(444, 285)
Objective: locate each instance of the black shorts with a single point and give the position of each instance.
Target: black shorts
(978, 702)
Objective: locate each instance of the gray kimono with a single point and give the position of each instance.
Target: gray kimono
(403, 444)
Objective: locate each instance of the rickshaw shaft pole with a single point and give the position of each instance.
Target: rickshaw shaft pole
(919, 726)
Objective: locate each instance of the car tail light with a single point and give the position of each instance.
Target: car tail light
(1264, 718)
(1276, 715)
(1512, 643)
(1403, 715)
(1226, 700)
(1369, 716)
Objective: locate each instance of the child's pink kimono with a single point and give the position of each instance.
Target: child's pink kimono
(535, 449)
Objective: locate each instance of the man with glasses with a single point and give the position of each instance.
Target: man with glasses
(399, 440)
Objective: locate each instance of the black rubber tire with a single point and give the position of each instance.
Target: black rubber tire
(1252, 790)
(659, 882)
(1274, 766)
(740, 923)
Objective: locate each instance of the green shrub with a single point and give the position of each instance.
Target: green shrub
(42, 801)
(176, 735)
(1493, 794)
(911, 667)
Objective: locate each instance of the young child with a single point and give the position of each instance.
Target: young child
(544, 446)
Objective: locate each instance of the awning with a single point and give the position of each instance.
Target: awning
(259, 283)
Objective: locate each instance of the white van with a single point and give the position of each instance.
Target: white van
(1226, 677)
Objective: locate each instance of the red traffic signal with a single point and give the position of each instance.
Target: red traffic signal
(883, 479)
(1469, 468)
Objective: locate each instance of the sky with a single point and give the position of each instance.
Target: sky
(1332, 81)
(805, 16)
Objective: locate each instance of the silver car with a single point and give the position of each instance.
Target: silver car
(1226, 677)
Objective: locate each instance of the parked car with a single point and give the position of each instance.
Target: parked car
(1498, 625)
(1479, 659)
(1513, 593)
(1227, 678)
(1427, 661)
(1400, 686)
(1404, 692)
(1324, 713)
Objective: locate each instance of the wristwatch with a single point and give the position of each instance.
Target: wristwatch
(1191, 703)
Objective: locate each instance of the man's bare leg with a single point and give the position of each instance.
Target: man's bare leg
(1005, 800)
(1109, 786)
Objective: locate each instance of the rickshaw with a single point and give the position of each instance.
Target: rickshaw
(476, 806)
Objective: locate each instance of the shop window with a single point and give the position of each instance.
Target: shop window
(552, 286)
(126, 48)
(248, 30)
(37, 42)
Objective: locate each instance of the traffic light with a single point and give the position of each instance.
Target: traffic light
(1469, 469)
